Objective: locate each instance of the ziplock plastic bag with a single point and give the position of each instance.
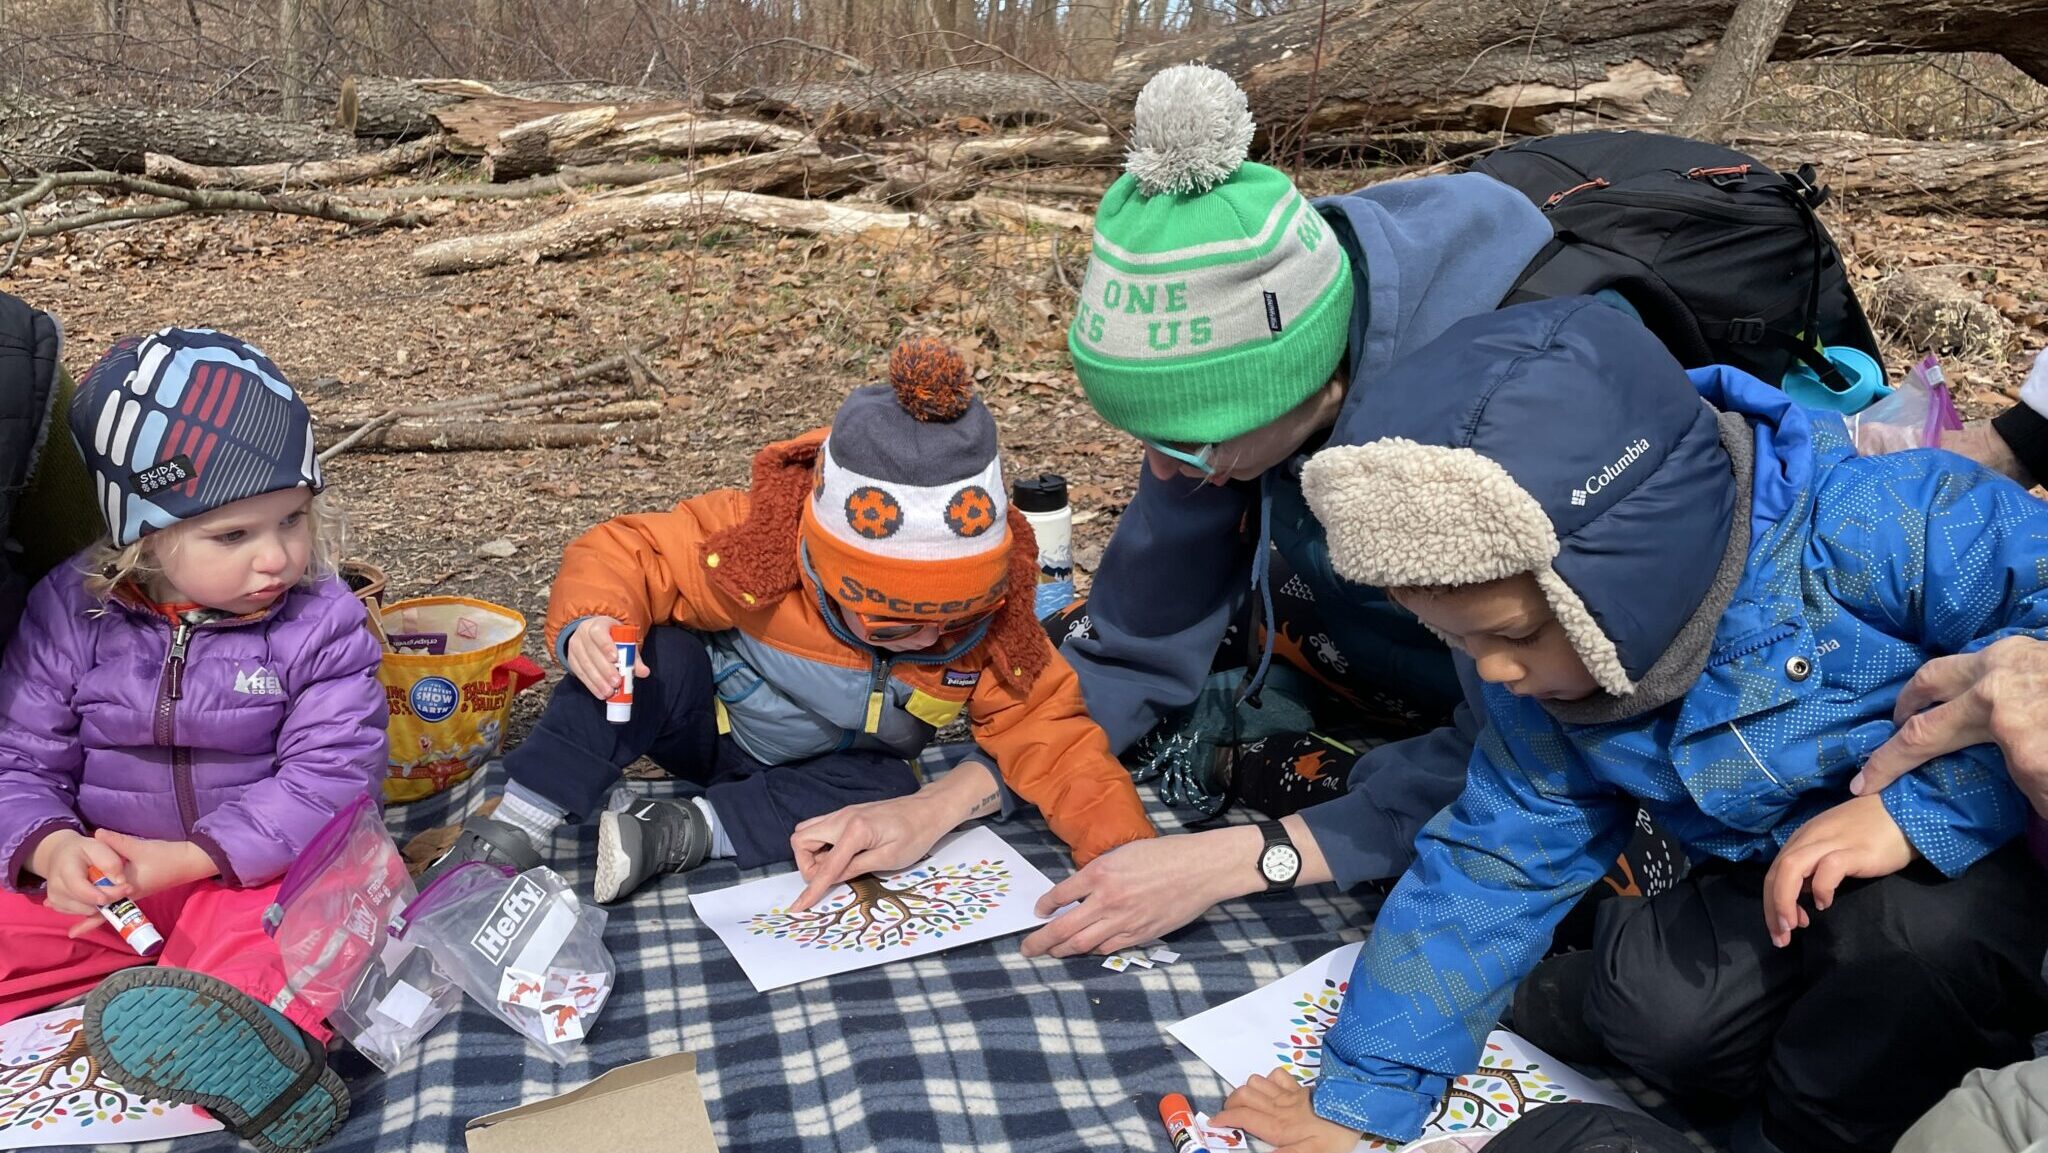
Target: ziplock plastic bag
(522, 946)
(1914, 416)
(331, 924)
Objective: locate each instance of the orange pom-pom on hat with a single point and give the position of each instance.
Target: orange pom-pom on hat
(930, 379)
(908, 515)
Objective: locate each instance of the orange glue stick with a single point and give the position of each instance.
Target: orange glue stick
(126, 919)
(618, 708)
(1179, 1117)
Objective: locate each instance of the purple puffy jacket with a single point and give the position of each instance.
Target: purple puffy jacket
(245, 745)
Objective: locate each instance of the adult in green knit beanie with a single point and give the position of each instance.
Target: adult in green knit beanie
(1226, 322)
(1217, 300)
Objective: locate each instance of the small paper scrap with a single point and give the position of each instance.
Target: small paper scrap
(586, 991)
(521, 988)
(562, 1022)
(1116, 964)
(1164, 955)
(402, 1006)
(1216, 1138)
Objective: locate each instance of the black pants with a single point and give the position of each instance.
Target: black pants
(1580, 1127)
(1851, 1032)
(574, 756)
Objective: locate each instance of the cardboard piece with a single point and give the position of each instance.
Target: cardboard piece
(651, 1104)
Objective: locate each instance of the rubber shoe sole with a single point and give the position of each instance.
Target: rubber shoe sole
(615, 856)
(193, 1039)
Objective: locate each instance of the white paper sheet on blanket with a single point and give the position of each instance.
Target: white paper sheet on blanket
(1281, 1025)
(973, 887)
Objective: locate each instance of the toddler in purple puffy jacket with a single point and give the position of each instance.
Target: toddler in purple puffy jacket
(183, 707)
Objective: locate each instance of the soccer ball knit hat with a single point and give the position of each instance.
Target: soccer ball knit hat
(908, 517)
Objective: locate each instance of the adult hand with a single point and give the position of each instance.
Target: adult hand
(61, 860)
(1854, 839)
(149, 867)
(1143, 890)
(864, 838)
(593, 658)
(1996, 695)
(1276, 1109)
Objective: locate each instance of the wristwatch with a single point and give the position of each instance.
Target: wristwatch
(1279, 860)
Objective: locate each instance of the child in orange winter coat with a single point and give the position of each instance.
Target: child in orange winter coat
(803, 641)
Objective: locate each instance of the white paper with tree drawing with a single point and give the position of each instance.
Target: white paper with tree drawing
(53, 1093)
(973, 887)
(1282, 1024)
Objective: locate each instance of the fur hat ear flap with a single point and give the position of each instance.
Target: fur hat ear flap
(1017, 641)
(757, 558)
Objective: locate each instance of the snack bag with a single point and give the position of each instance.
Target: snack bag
(450, 670)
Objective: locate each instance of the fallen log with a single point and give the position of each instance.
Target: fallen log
(559, 181)
(175, 201)
(1969, 178)
(810, 170)
(882, 102)
(1931, 312)
(1491, 65)
(57, 136)
(391, 106)
(549, 389)
(601, 133)
(1023, 212)
(1045, 149)
(586, 225)
(485, 436)
(311, 173)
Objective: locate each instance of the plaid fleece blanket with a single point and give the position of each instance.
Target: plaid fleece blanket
(976, 1048)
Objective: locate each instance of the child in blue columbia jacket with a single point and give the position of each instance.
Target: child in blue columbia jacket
(1685, 593)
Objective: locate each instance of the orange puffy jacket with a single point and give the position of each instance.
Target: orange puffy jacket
(727, 565)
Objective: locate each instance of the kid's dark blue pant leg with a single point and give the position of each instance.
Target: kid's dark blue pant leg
(574, 756)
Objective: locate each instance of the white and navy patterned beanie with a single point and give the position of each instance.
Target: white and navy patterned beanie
(184, 421)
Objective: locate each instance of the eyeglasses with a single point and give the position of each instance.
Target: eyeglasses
(896, 628)
(1200, 458)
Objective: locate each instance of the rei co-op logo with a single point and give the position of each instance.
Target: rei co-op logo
(508, 919)
(1611, 473)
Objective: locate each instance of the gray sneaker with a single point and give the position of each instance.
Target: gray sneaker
(489, 840)
(648, 837)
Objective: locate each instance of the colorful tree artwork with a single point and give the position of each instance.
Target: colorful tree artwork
(927, 902)
(52, 1090)
(1301, 1052)
(1505, 1086)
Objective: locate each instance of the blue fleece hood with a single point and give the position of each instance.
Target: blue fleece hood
(1558, 438)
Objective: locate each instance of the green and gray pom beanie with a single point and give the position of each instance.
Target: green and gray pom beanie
(1216, 298)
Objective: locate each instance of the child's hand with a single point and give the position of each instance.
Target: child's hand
(1854, 839)
(1275, 1109)
(871, 837)
(593, 659)
(60, 860)
(149, 867)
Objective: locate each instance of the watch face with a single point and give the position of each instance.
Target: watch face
(1279, 863)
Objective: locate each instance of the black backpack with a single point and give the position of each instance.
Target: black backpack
(1724, 258)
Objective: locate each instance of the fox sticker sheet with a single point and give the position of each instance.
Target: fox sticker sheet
(972, 888)
(1282, 1024)
(52, 1092)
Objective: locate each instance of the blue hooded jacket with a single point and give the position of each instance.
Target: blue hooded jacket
(1766, 594)
(1424, 254)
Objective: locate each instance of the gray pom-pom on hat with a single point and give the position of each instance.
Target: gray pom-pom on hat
(1192, 129)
